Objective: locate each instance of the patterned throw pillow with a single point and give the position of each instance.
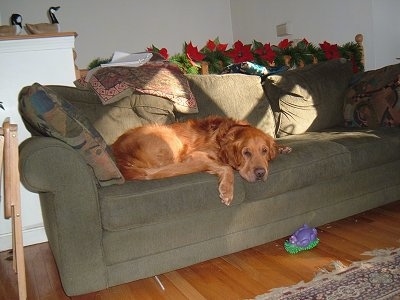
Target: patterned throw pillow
(159, 78)
(51, 115)
(373, 99)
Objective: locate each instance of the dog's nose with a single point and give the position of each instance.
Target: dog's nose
(259, 172)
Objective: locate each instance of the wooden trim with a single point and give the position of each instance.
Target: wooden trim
(359, 38)
(38, 36)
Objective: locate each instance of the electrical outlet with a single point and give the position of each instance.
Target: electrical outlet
(284, 29)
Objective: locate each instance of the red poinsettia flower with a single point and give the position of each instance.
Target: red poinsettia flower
(193, 53)
(216, 46)
(211, 45)
(284, 44)
(163, 51)
(331, 51)
(241, 53)
(266, 53)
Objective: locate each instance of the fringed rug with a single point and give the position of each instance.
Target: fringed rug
(377, 278)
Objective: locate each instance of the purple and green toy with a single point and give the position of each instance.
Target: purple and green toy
(305, 238)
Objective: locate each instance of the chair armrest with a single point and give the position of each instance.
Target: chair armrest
(70, 207)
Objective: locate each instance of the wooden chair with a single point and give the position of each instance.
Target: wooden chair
(9, 157)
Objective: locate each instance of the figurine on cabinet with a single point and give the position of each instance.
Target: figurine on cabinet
(15, 28)
(40, 28)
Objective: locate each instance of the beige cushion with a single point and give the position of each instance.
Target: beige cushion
(115, 118)
(238, 96)
(310, 98)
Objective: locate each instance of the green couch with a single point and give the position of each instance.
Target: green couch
(104, 231)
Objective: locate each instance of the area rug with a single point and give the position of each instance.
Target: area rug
(377, 278)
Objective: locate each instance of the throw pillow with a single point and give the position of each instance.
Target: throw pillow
(309, 98)
(51, 115)
(373, 99)
(158, 78)
(238, 96)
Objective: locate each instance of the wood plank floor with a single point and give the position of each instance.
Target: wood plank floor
(242, 275)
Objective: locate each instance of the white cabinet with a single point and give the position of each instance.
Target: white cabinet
(25, 59)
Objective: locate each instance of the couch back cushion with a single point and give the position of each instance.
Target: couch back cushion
(310, 98)
(237, 96)
(114, 119)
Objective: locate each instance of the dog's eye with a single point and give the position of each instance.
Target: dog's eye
(265, 150)
(247, 153)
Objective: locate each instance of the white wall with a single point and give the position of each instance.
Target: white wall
(104, 26)
(319, 20)
(386, 31)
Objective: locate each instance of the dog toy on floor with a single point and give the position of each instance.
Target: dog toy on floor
(305, 238)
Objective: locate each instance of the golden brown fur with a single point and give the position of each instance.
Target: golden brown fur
(215, 145)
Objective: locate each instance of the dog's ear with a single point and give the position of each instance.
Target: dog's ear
(273, 148)
(230, 150)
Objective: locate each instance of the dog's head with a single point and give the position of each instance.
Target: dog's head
(248, 150)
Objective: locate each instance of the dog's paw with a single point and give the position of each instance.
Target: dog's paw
(226, 194)
(284, 149)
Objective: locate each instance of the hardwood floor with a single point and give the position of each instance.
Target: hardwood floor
(242, 275)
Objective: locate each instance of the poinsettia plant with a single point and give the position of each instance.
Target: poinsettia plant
(286, 53)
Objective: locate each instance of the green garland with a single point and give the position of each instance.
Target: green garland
(97, 62)
(184, 64)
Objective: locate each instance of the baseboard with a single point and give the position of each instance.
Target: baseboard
(31, 236)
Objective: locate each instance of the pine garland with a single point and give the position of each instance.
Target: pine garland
(97, 62)
(184, 64)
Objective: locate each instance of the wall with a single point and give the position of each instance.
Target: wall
(323, 20)
(386, 31)
(131, 26)
(105, 26)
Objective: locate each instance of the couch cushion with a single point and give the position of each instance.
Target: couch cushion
(140, 203)
(368, 148)
(237, 96)
(51, 115)
(373, 99)
(310, 98)
(321, 156)
(311, 161)
(114, 119)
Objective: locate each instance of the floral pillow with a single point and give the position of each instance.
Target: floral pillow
(373, 99)
(51, 115)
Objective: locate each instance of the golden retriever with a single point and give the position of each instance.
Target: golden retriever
(216, 145)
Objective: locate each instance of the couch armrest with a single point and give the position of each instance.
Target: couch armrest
(71, 213)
